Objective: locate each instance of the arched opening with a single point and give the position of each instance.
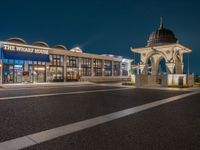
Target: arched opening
(149, 66)
(155, 69)
(162, 68)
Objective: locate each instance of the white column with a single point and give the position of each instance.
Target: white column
(46, 71)
(179, 68)
(112, 68)
(170, 66)
(92, 67)
(142, 67)
(120, 69)
(79, 67)
(103, 68)
(65, 68)
(182, 67)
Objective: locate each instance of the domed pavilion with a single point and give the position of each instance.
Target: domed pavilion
(162, 46)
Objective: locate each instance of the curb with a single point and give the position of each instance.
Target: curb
(9, 86)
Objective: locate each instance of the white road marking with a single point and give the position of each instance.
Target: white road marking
(65, 93)
(43, 136)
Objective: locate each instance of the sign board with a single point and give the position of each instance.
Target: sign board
(18, 66)
(15, 48)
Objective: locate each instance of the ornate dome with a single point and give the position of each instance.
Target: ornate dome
(161, 36)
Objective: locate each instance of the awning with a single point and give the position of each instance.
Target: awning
(25, 56)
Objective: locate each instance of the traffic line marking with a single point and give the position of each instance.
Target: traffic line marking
(43, 136)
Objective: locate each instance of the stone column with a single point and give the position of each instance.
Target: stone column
(154, 69)
(142, 69)
(46, 72)
(120, 69)
(170, 67)
(182, 68)
(103, 68)
(179, 68)
(112, 68)
(92, 67)
(155, 64)
(65, 68)
(79, 67)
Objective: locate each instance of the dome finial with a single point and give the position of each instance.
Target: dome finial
(161, 23)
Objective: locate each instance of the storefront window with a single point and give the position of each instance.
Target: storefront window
(97, 66)
(72, 61)
(13, 71)
(55, 73)
(124, 69)
(107, 68)
(18, 71)
(37, 71)
(72, 68)
(116, 68)
(86, 66)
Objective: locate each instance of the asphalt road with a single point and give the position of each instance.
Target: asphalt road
(171, 126)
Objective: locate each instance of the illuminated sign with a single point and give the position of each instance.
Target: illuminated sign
(18, 66)
(15, 48)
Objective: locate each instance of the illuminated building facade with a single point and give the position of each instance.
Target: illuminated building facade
(24, 63)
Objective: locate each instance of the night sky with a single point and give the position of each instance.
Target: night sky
(101, 26)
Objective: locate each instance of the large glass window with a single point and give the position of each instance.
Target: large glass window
(107, 68)
(72, 61)
(116, 68)
(13, 71)
(86, 66)
(72, 68)
(55, 73)
(18, 71)
(56, 60)
(97, 66)
(37, 70)
(124, 69)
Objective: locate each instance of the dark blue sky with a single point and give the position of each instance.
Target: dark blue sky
(104, 26)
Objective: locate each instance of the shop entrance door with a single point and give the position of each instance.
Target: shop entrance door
(8, 72)
(18, 73)
(72, 74)
(39, 74)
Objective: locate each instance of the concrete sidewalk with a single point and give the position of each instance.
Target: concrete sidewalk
(53, 84)
(195, 88)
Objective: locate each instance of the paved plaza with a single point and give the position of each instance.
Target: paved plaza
(98, 117)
